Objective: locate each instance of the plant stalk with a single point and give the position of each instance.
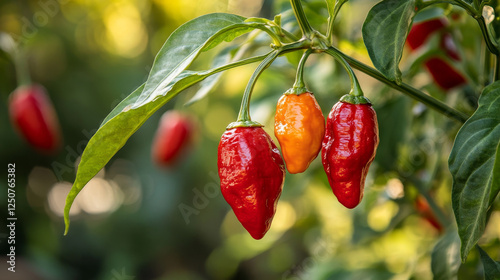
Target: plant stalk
(355, 87)
(299, 78)
(244, 114)
(404, 88)
(492, 47)
(305, 27)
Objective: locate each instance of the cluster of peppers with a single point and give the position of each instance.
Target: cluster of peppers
(438, 65)
(252, 171)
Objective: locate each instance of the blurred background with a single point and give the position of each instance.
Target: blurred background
(136, 220)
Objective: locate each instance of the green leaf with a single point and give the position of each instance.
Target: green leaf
(167, 78)
(445, 257)
(127, 102)
(333, 8)
(491, 267)
(474, 165)
(384, 33)
(185, 44)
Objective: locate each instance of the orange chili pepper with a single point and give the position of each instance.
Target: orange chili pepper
(299, 126)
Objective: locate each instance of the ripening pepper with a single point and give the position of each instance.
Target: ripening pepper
(173, 135)
(299, 126)
(444, 74)
(348, 149)
(33, 115)
(252, 175)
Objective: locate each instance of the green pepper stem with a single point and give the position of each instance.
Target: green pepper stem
(299, 84)
(492, 47)
(355, 87)
(21, 66)
(244, 114)
(331, 20)
(305, 27)
(274, 37)
(404, 88)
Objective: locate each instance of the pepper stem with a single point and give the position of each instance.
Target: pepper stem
(355, 96)
(305, 27)
(299, 86)
(244, 119)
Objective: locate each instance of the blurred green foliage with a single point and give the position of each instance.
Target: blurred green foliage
(91, 54)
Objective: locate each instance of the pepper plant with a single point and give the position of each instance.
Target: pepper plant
(474, 161)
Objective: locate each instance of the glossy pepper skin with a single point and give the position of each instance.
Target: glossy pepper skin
(299, 126)
(348, 149)
(173, 135)
(444, 74)
(33, 115)
(252, 175)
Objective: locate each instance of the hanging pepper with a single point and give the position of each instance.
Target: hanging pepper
(33, 115)
(172, 137)
(252, 175)
(349, 147)
(299, 126)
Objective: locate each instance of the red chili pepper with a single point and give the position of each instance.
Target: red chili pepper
(444, 74)
(426, 212)
(33, 115)
(421, 31)
(252, 175)
(173, 135)
(348, 149)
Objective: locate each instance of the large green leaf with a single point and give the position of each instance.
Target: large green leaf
(491, 267)
(445, 258)
(384, 33)
(474, 165)
(167, 78)
(184, 45)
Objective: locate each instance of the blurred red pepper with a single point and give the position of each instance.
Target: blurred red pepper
(33, 115)
(444, 74)
(425, 212)
(172, 136)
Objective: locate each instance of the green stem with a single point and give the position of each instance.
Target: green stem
(299, 85)
(244, 114)
(492, 47)
(289, 35)
(355, 87)
(331, 20)
(21, 66)
(486, 75)
(274, 36)
(404, 88)
(301, 18)
(244, 119)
